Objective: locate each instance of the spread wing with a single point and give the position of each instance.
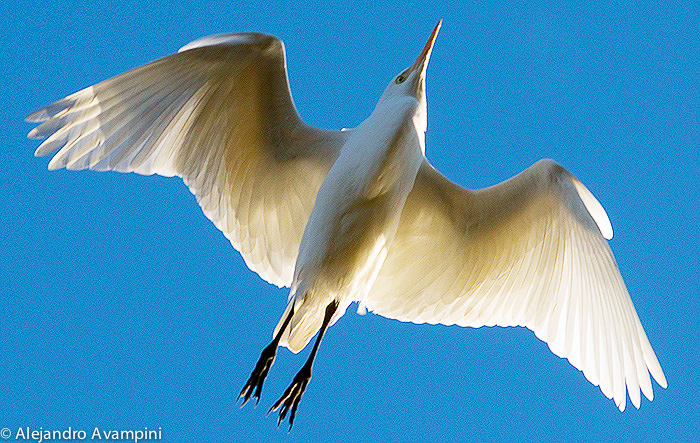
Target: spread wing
(527, 252)
(220, 115)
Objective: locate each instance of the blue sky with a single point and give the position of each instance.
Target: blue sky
(123, 307)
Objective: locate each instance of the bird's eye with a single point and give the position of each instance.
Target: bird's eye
(400, 79)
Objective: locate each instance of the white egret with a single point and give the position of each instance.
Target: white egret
(360, 215)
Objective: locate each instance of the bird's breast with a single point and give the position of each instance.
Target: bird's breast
(384, 153)
(358, 207)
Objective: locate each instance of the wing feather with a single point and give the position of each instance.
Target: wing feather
(219, 114)
(528, 252)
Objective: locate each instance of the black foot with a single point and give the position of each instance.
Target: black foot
(292, 395)
(255, 382)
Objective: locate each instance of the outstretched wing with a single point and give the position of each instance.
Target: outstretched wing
(527, 252)
(220, 115)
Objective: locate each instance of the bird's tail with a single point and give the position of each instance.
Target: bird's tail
(306, 321)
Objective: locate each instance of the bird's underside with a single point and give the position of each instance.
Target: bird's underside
(530, 251)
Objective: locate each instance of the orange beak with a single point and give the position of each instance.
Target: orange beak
(422, 60)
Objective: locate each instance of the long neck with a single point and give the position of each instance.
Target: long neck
(398, 109)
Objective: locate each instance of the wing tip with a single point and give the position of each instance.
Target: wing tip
(35, 133)
(661, 379)
(621, 405)
(43, 150)
(38, 116)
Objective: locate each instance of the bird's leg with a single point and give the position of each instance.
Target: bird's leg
(292, 396)
(267, 357)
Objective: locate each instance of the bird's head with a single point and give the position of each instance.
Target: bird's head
(411, 82)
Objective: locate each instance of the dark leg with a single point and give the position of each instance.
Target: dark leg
(292, 395)
(267, 357)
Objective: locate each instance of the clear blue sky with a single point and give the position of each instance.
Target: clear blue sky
(123, 307)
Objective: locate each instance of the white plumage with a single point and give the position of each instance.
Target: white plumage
(360, 215)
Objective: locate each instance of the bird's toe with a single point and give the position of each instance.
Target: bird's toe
(253, 387)
(289, 402)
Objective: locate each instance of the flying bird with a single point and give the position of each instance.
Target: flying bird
(360, 215)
